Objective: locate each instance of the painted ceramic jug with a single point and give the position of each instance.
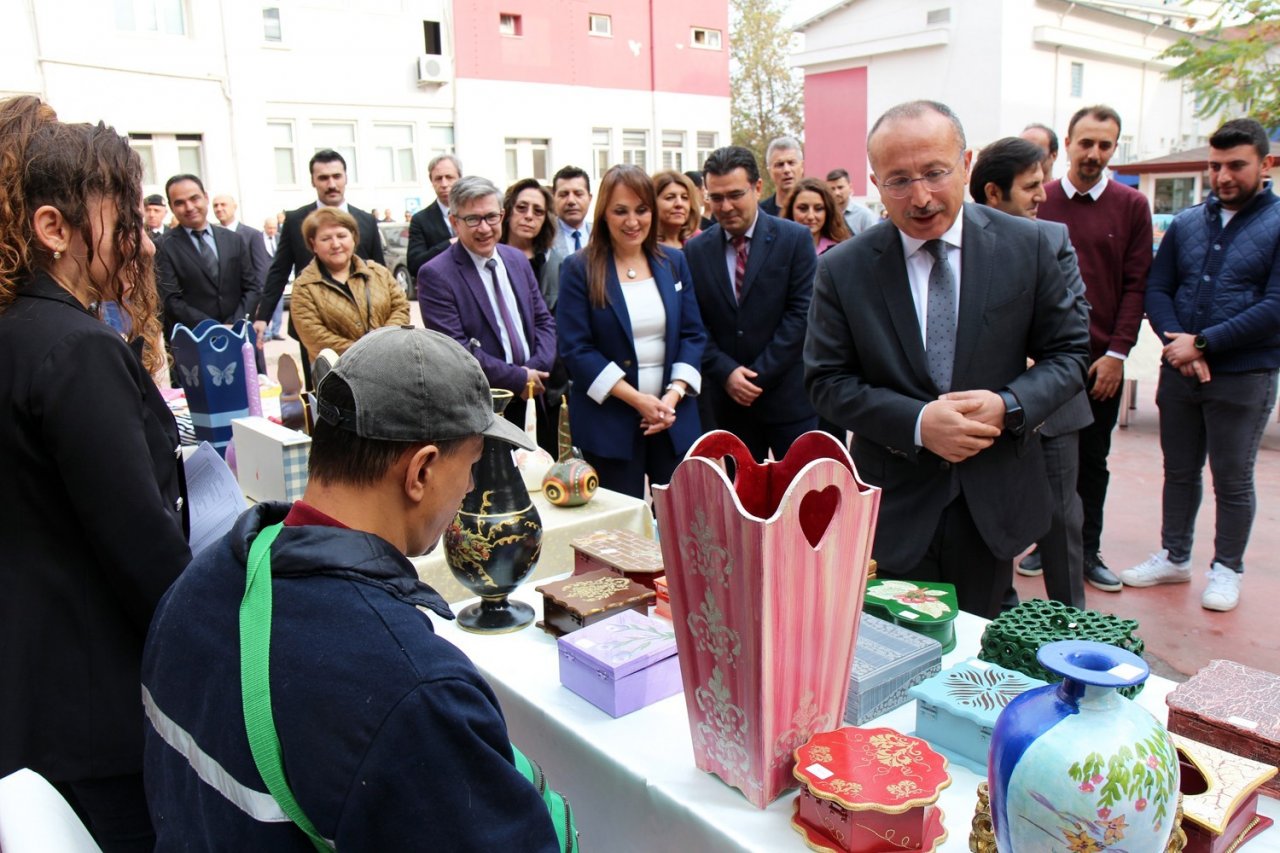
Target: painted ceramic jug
(571, 481)
(494, 541)
(1076, 766)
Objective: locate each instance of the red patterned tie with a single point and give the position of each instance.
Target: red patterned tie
(740, 265)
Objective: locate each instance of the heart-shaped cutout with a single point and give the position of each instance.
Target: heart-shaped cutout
(816, 511)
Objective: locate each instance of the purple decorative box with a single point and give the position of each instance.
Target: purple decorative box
(622, 663)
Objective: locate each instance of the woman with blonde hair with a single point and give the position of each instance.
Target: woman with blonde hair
(631, 335)
(92, 532)
(339, 297)
(676, 200)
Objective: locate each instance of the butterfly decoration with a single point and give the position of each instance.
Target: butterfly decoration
(190, 375)
(223, 376)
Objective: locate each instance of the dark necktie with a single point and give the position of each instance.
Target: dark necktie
(517, 351)
(207, 257)
(741, 250)
(1083, 198)
(577, 240)
(940, 332)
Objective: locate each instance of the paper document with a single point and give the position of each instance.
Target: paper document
(214, 498)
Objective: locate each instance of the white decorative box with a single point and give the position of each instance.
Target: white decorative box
(957, 709)
(271, 460)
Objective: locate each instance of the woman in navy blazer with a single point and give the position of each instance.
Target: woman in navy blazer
(631, 335)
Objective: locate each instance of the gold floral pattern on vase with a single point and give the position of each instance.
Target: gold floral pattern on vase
(711, 634)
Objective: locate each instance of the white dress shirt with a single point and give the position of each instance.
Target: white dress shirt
(566, 235)
(508, 296)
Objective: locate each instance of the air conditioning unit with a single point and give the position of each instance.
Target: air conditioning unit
(433, 70)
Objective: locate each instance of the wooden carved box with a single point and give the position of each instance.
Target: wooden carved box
(622, 552)
(583, 600)
(1233, 707)
(869, 790)
(1219, 797)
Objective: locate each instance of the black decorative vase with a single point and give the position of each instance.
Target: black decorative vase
(495, 539)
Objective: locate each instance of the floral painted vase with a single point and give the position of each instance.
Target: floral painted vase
(1075, 766)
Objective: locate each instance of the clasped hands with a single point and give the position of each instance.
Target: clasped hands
(962, 424)
(1181, 353)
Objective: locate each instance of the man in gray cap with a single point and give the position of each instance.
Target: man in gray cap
(388, 736)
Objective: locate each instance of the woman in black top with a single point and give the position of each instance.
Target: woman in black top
(92, 531)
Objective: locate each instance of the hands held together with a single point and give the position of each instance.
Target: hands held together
(961, 424)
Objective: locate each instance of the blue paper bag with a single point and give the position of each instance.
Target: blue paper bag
(211, 369)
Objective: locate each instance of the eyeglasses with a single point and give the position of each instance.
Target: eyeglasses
(934, 180)
(736, 196)
(474, 220)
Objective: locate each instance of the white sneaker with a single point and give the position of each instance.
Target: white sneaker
(1223, 591)
(1158, 568)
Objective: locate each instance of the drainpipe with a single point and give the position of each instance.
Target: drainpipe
(656, 145)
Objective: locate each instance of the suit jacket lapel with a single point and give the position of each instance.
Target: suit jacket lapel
(618, 302)
(975, 284)
(188, 242)
(895, 287)
(471, 280)
(664, 277)
(758, 252)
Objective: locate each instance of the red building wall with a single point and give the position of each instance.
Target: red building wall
(649, 48)
(835, 125)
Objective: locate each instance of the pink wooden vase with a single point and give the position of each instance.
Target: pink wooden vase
(766, 572)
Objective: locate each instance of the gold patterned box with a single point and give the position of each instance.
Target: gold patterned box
(583, 600)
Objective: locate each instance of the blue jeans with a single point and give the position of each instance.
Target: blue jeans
(1222, 419)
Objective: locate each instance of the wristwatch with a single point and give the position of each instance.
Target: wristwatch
(1015, 420)
(1202, 343)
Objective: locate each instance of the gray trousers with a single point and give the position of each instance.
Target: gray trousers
(1222, 419)
(1061, 551)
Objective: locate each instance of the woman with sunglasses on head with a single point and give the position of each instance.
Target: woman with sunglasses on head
(632, 338)
(92, 532)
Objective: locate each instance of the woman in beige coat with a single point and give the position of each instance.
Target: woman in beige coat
(339, 298)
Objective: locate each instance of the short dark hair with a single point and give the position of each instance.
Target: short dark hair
(568, 173)
(341, 457)
(695, 176)
(837, 174)
(1048, 131)
(1000, 163)
(1099, 112)
(177, 179)
(724, 160)
(325, 155)
(1241, 131)
(915, 109)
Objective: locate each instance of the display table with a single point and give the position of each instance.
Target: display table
(560, 526)
(632, 782)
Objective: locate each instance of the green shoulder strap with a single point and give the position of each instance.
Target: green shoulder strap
(255, 682)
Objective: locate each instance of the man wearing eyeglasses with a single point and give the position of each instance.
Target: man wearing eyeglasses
(918, 341)
(484, 295)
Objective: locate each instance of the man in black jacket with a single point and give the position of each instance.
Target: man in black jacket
(329, 177)
(429, 229)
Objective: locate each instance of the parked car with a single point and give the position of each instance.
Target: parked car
(395, 246)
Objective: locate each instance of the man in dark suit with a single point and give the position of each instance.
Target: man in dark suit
(204, 271)
(1009, 176)
(919, 336)
(224, 210)
(154, 210)
(753, 274)
(429, 228)
(484, 295)
(329, 177)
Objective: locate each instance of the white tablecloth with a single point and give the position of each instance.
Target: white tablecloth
(632, 782)
(560, 526)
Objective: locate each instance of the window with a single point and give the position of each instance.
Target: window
(1174, 194)
(510, 25)
(673, 150)
(708, 141)
(271, 30)
(600, 25)
(635, 148)
(439, 140)
(341, 137)
(601, 150)
(191, 153)
(432, 44)
(1124, 150)
(705, 38)
(1077, 79)
(938, 16)
(152, 16)
(393, 154)
(528, 158)
(281, 135)
(141, 142)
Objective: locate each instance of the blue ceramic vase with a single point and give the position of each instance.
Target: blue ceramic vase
(1075, 766)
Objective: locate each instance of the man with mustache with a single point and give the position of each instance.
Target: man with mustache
(1110, 226)
(919, 335)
